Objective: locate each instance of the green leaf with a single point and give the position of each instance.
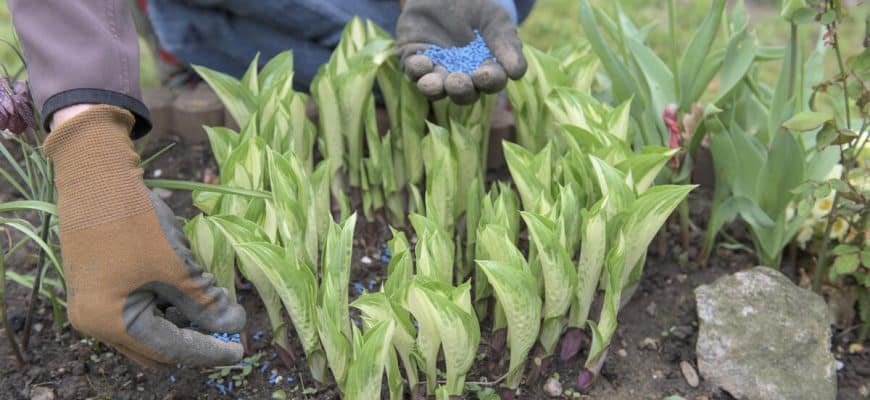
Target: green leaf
(238, 99)
(804, 15)
(249, 79)
(845, 264)
(789, 7)
(28, 205)
(696, 54)
(517, 293)
(602, 332)
(807, 121)
(560, 280)
(739, 56)
(592, 254)
(295, 285)
(455, 327)
(278, 69)
(223, 141)
(204, 187)
(844, 249)
(365, 372)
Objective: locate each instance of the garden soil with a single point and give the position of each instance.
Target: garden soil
(657, 331)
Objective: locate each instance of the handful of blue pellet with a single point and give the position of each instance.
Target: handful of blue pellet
(226, 337)
(464, 59)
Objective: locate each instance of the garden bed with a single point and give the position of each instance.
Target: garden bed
(644, 361)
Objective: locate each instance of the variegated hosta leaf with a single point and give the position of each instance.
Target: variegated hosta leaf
(532, 173)
(648, 213)
(569, 219)
(611, 184)
(297, 287)
(560, 279)
(212, 251)
(646, 165)
(335, 266)
(294, 198)
(442, 177)
(336, 345)
(244, 168)
(603, 331)
(518, 295)
(365, 373)
(435, 249)
(446, 321)
(377, 307)
(237, 230)
(401, 266)
(592, 253)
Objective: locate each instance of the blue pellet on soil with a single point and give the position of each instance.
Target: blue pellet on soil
(464, 59)
(226, 337)
(257, 336)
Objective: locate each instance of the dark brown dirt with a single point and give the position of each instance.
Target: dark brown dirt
(657, 331)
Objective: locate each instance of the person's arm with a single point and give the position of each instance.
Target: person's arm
(124, 255)
(80, 52)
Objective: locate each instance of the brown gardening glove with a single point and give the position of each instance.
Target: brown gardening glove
(451, 23)
(123, 253)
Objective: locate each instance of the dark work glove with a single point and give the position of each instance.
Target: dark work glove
(451, 23)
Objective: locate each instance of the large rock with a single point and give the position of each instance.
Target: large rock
(762, 337)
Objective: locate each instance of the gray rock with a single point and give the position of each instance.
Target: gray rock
(689, 373)
(553, 387)
(41, 393)
(761, 337)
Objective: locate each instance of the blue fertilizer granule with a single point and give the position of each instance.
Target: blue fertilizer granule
(226, 337)
(464, 59)
(257, 336)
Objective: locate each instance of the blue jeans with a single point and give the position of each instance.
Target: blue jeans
(226, 34)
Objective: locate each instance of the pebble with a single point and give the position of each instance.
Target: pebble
(864, 390)
(553, 387)
(682, 332)
(648, 344)
(622, 353)
(690, 374)
(163, 193)
(855, 348)
(366, 260)
(157, 173)
(840, 365)
(41, 393)
(657, 374)
(37, 327)
(651, 309)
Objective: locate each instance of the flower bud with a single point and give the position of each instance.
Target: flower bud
(16, 109)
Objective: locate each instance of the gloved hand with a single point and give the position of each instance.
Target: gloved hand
(451, 23)
(123, 253)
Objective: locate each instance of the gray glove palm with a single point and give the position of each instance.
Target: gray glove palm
(451, 23)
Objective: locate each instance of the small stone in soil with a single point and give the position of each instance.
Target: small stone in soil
(855, 348)
(163, 193)
(553, 387)
(648, 344)
(651, 309)
(622, 353)
(689, 373)
(41, 393)
(366, 260)
(682, 332)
